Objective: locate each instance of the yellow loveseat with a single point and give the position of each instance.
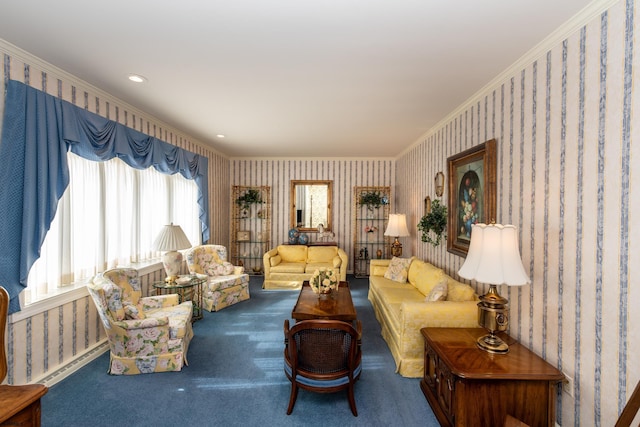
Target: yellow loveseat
(403, 308)
(287, 266)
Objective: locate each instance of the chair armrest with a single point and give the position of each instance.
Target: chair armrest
(149, 322)
(159, 301)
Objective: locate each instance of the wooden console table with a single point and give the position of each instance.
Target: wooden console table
(468, 386)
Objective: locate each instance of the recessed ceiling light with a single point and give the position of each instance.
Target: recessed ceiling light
(137, 78)
(220, 135)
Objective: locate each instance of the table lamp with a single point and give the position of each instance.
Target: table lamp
(494, 258)
(171, 239)
(397, 227)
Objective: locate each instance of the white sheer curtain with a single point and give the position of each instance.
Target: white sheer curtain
(109, 216)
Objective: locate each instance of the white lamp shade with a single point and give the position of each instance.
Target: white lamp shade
(494, 256)
(171, 238)
(397, 226)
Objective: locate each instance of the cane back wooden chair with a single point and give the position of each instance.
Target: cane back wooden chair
(322, 356)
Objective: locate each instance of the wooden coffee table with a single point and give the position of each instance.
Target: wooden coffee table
(338, 306)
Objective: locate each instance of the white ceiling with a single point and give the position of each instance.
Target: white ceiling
(288, 78)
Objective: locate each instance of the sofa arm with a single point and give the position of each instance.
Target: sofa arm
(377, 267)
(266, 260)
(344, 264)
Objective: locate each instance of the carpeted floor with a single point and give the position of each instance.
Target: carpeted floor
(235, 378)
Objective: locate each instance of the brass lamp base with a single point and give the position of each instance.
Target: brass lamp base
(492, 344)
(493, 315)
(396, 248)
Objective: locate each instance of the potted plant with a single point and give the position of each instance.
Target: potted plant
(248, 198)
(373, 199)
(435, 221)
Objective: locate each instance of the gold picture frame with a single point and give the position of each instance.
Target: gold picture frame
(472, 193)
(439, 184)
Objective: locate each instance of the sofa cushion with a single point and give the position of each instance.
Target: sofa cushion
(289, 267)
(457, 291)
(293, 253)
(398, 269)
(312, 267)
(318, 254)
(438, 293)
(425, 276)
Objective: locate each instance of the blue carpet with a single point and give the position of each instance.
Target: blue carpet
(235, 378)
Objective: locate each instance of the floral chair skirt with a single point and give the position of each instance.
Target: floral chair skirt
(222, 292)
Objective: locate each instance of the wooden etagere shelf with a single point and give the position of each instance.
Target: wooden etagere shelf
(250, 229)
(373, 244)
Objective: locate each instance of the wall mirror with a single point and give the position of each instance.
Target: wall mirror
(311, 205)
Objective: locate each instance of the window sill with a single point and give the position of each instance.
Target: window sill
(67, 294)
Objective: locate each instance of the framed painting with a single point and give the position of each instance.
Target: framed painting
(472, 193)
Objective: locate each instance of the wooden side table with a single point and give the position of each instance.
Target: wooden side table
(468, 386)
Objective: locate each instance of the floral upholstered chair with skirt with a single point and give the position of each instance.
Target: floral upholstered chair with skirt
(226, 284)
(146, 334)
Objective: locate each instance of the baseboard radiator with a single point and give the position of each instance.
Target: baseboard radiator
(74, 364)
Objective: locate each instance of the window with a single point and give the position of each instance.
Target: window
(110, 215)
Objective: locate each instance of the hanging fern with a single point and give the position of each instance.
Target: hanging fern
(435, 221)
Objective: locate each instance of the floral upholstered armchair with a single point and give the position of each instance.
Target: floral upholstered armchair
(226, 283)
(146, 334)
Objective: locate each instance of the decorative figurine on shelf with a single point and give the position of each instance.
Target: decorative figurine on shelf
(325, 235)
(379, 254)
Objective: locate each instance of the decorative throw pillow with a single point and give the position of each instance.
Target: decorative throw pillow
(398, 269)
(438, 293)
(222, 269)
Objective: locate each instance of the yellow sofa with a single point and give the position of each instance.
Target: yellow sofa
(402, 309)
(287, 266)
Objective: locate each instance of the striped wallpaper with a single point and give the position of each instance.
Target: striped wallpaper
(43, 343)
(565, 179)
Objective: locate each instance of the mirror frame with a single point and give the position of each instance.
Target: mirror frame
(292, 199)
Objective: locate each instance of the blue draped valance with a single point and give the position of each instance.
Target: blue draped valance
(38, 130)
